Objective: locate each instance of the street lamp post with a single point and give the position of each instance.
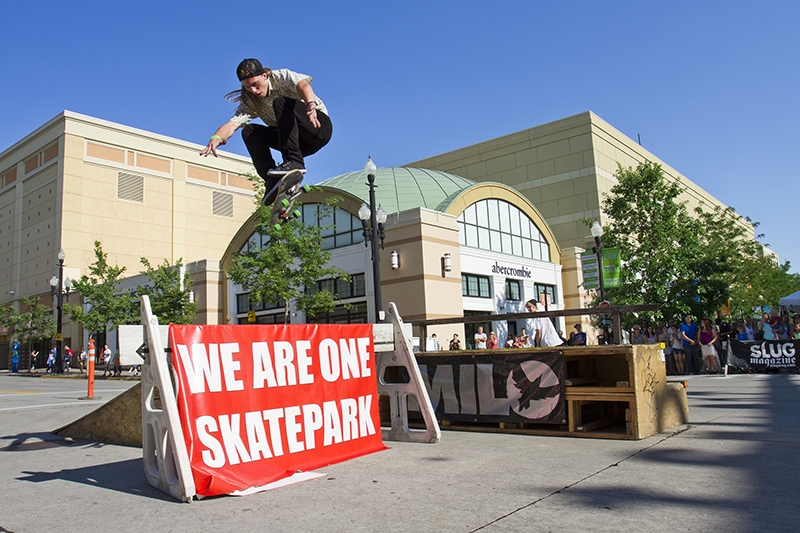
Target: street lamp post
(597, 233)
(59, 288)
(616, 326)
(372, 222)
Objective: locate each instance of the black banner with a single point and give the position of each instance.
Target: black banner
(515, 386)
(761, 355)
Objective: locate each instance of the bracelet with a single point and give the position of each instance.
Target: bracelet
(215, 137)
(310, 103)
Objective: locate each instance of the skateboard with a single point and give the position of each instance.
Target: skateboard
(288, 190)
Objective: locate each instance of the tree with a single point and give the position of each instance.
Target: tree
(687, 263)
(170, 292)
(33, 324)
(100, 291)
(656, 236)
(763, 281)
(291, 260)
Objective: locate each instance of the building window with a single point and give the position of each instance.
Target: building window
(550, 290)
(341, 289)
(243, 304)
(501, 227)
(274, 318)
(353, 313)
(513, 290)
(477, 286)
(340, 227)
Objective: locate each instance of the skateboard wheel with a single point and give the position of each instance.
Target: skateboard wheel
(306, 188)
(284, 203)
(277, 226)
(296, 213)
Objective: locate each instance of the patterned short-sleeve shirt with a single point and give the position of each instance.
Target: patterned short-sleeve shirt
(282, 82)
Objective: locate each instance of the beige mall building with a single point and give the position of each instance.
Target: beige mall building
(507, 213)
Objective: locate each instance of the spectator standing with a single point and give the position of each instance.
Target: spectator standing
(637, 336)
(480, 339)
(117, 364)
(492, 343)
(665, 339)
(678, 353)
(708, 338)
(51, 360)
(748, 328)
(526, 340)
(107, 371)
(579, 337)
(765, 327)
(436, 346)
(650, 335)
(34, 355)
(67, 356)
(455, 342)
(688, 332)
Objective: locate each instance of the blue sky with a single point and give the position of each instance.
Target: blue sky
(712, 88)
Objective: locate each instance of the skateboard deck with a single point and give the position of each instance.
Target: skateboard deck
(288, 191)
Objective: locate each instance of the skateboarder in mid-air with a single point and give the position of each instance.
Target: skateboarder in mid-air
(297, 122)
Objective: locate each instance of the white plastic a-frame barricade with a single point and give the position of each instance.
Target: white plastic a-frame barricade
(403, 356)
(166, 460)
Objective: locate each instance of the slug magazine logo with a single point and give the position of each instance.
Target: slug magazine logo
(773, 354)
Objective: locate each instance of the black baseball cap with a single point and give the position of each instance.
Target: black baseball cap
(249, 68)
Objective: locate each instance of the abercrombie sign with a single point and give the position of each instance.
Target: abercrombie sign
(520, 272)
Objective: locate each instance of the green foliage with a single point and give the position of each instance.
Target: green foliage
(763, 281)
(291, 259)
(100, 290)
(656, 237)
(169, 294)
(685, 262)
(31, 325)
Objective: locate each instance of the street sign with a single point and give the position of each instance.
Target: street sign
(606, 322)
(591, 274)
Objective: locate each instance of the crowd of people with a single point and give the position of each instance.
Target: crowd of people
(692, 348)
(689, 347)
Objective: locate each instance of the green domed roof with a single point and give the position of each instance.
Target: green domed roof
(401, 188)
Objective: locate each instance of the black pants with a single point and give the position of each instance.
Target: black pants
(693, 359)
(295, 137)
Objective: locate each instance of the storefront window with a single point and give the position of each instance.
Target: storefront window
(550, 290)
(501, 227)
(513, 290)
(477, 286)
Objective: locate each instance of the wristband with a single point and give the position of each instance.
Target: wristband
(215, 137)
(309, 104)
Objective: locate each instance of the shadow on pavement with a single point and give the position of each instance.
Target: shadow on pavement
(123, 476)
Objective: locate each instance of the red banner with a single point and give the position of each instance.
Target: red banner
(259, 403)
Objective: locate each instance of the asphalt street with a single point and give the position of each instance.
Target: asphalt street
(733, 468)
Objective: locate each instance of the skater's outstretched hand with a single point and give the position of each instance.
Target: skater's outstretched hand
(211, 147)
(219, 138)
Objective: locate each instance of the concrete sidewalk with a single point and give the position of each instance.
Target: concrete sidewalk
(733, 468)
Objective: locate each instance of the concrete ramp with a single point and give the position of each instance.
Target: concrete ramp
(119, 421)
